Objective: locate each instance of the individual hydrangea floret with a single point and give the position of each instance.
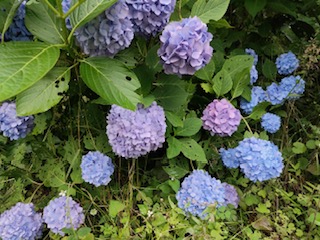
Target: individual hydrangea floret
(135, 133)
(96, 168)
(258, 95)
(21, 222)
(185, 46)
(275, 94)
(108, 33)
(65, 8)
(231, 195)
(198, 191)
(63, 212)
(294, 87)
(229, 158)
(253, 75)
(251, 52)
(270, 122)
(259, 159)
(13, 126)
(149, 17)
(287, 63)
(221, 118)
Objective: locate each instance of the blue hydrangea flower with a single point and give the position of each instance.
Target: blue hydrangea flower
(108, 33)
(275, 94)
(229, 158)
(287, 63)
(258, 95)
(198, 191)
(251, 52)
(135, 133)
(66, 4)
(13, 126)
(185, 46)
(149, 17)
(63, 212)
(259, 159)
(17, 30)
(97, 168)
(231, 195)
(21, 222)
(270, 122)
(293, 86)
(253, 75)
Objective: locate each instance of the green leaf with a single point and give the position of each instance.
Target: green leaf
(83, 232)
(237, 64)
(22, 64)
(299, 148)
(190, 127)
(52, 173)
(269, 69)
(174, 184)
(192, 150)
(152, 59)
(6, 16)
(111, 80)
(44, 24)
(222, 23)
(115, 207)
(207, 87)
(251, 199)
(206, 72)
(210, 10)
(88, 10)
(259, 110)
(222, 83)
(262, 208)
(174, 147)
(254, 6)
(240, 83)
(44, 94)
(174, 119)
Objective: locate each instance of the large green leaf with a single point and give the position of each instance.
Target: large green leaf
(190, 127)
(254, 6)
(210, 10)
(192, 150)
(10, 7)
(222, 83)
(237, 64)
(88, 10)
(24, 63)
(43, 23)
(44, 94)
(111, 80)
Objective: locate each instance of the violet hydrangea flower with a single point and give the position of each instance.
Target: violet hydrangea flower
(185, 46)
(229, 158)
(135, 133)
(149, 17)
(65, 7)
(270, 122)
(108, 33)
(63, 212)
(231, 195)
(258, 95)
(198, 191)
(13, 126)
(287, 63)
(275, 94)
(21, 222)
(97, 168)
(221, 118)
(293, 86)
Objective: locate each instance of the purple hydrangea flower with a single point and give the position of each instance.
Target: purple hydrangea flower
(97, 168)
(253, 75)
(221, 118)
(251, 52)
(270, 122)
(108, 33)
(258, 95)
(63, 212)
(287, 63)
(229, 158)
(17, 30)
(198, 191)
(185, 46)
(13, 126)
(259, 159)
(149, 17)
(66, 4)
(293, 85)
(21, 222)
(135, 133)
(231, 195)
(275, 94)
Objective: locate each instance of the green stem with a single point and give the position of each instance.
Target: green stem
(245, 121)
(52, 8)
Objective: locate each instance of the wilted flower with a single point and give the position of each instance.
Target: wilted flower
(135, 133)
(13, 126)
(276, 94)
(97, 168)
(258, 95)
(270, 122)
(221, 118)
(149, 17)
(287, 63)
(293, 86)
(231, 195)
(63, 212)
(198, 191)
(21, 222)
(251, 52)
(185, 46)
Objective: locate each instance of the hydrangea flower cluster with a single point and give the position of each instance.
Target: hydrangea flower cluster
(17, 30)
(221, 118)
(253, 71)
(65, 8)
(231, 195)
(258, 159)
(258, 95)
(21, 222)
(63, 212)
(13, 126)
(287, 63)
(108, 33)
(185, 46)
(293, 86)
(270, 122)
(97, 168)
(198, 191)
(135, 133)
(150, 16)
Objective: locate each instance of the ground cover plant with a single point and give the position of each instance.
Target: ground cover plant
(162, 119)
